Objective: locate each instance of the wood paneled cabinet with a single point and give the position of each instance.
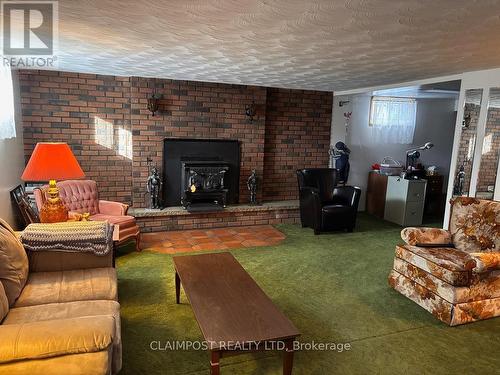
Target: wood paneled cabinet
(375, 194)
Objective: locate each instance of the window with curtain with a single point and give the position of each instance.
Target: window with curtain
(7, 124)
(392, 120)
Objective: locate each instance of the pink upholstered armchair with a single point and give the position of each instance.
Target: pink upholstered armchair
(81, 196)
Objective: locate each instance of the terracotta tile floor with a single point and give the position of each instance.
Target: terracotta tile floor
(211, 239)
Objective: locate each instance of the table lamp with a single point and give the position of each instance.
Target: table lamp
(51, 162)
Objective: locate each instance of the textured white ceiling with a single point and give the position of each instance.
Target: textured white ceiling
(316, 44)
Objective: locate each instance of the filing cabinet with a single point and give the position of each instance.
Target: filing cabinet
(404, 201)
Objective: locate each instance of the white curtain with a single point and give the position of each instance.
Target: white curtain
(392, 120)
(7, 124)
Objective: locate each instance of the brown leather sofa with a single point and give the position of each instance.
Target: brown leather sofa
(81, 196)
(59, 312)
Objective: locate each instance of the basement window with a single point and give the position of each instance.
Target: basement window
(7, 123)
(393, 119)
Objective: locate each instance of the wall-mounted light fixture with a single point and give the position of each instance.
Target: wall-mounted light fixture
(250, 111)
(343, 102)
(154, 99)
(154, 103)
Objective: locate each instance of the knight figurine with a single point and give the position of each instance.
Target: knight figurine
(458, 187)
(154, 184)
(252, 187)
(340, 160)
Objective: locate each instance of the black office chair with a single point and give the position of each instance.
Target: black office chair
(324, 206)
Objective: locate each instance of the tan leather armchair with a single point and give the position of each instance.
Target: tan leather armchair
(81, 196)
(59, 311)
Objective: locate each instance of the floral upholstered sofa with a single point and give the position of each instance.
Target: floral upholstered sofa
(453, 274)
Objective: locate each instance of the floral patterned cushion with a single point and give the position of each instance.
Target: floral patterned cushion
(486, 261)
(426, 236)
(475, 225)
(448, 264)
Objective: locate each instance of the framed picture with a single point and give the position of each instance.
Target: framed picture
(25, 205)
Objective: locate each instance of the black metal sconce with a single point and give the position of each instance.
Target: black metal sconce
(154, 103)
(154, 100)
(343, 102)
(250, 111)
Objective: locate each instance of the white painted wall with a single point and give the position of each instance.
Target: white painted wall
(11, 161)
(435, 123)
(338, 131)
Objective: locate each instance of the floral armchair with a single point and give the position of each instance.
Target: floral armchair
(453, 274)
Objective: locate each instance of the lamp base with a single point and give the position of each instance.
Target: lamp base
(53, 209)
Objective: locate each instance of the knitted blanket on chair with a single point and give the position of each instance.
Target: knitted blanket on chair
(79, 236)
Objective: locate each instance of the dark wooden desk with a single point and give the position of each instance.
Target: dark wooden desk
(232, 311)
(375, 194)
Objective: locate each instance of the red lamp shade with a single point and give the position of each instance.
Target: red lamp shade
(52, 161)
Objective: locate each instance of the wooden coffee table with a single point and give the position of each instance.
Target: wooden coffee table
(234, 314)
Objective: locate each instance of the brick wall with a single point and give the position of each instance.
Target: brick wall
(218, 219)
(297, 136)
(195, 110)
(107, 124)
(64, 107)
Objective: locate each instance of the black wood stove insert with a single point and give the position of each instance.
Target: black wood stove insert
(203, 185)
(201, 175)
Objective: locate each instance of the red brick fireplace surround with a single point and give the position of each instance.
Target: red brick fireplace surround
(291, 129)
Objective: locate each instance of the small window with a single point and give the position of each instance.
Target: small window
(393, 119)
(7, 124)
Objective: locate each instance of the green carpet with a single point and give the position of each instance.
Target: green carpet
(332, 286)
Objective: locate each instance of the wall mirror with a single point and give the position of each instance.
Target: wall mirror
(465, 158)
(488, 168)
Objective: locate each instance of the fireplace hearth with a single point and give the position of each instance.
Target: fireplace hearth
(201, 174)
